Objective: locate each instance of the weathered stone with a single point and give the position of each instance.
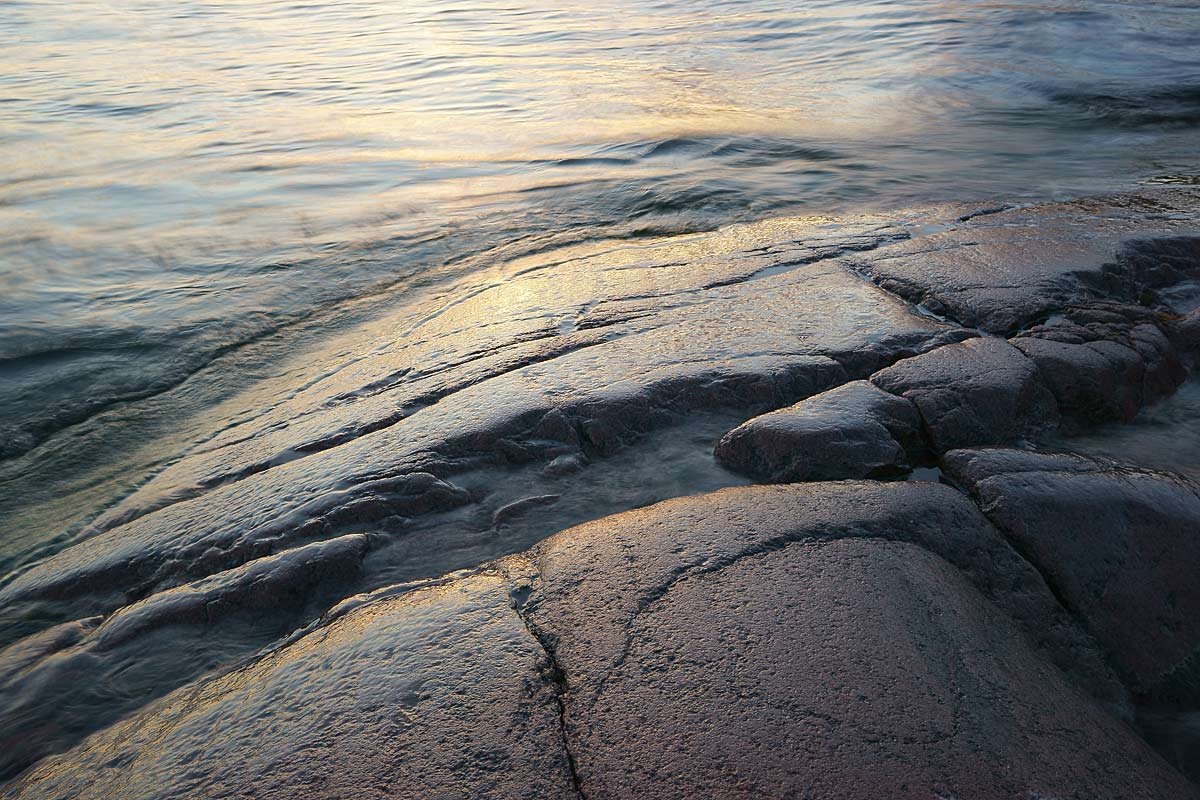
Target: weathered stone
(398, 419)
(566, 464)
(763, 641)
(844, 640)
(982, 391)
(638, 555)
(1119, 545)
(516, 508)
(1104, 361)
(853, 431)
(1001, 271)
(439, 693)
(1091, 381)
(857, 669)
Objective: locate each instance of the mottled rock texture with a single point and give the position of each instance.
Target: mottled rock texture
(1105, 361)
(837, 640)
(853, 431)
(1119, 545)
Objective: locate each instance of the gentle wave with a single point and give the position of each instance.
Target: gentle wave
(200, 173)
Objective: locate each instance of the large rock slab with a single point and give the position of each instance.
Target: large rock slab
(852, 431)
(443, 409)
(982, 391)
(844, 640)
(853, 669)
(1000, 272)
(742, 348)
(440, 693)
(1118, 544)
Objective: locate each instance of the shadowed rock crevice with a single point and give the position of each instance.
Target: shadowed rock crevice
(519, 595)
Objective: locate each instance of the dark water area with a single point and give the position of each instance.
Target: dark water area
(181, 178)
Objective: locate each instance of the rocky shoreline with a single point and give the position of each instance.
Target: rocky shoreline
(842, 633)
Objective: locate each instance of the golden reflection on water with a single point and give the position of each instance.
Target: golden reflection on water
(198, 105)
(150, 140)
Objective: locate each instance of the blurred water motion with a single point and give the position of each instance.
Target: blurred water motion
(181, 177)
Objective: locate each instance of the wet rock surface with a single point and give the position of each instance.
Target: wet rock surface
(463, 425)
(982, 391)
(68, 680)
(1008, 269)
(853, 431)
(439, 693)
(1105, 361)
(838, 637)
(1119, 545)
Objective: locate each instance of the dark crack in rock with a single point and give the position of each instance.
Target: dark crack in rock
(1119, 546)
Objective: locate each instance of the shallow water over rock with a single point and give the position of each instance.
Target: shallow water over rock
(417, 436)
(182, 178)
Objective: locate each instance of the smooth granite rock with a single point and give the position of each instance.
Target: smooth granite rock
(853, 431)
(982, 391)
(831, 640)
(1119, 545)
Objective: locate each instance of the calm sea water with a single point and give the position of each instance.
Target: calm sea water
(179, 177)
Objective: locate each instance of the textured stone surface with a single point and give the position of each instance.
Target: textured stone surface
(1105, 361)
(1003, 271)
(852, 431)
(1118, 544)
(836, 640)
(982, 391)
(67, 681)
(412, 425)
(741, 349)
(637, 556)
(852, 669)
(441, 693)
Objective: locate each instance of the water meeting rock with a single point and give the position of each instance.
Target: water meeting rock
(440, 693)
(843, 625)
(1003, 271)
(69, 680)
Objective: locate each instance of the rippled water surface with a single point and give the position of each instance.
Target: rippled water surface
(180, 177)
(262, 263)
